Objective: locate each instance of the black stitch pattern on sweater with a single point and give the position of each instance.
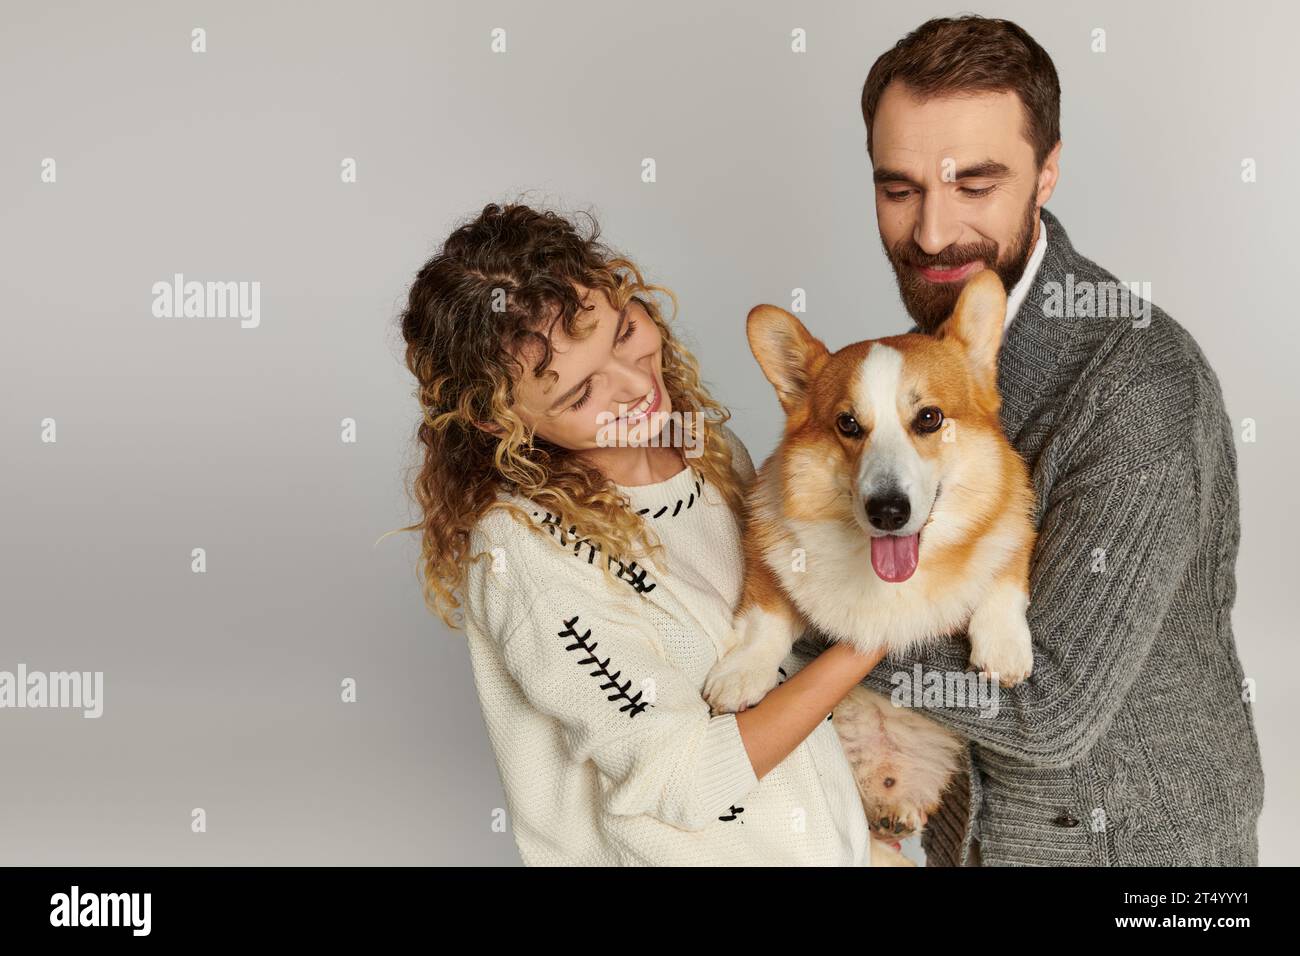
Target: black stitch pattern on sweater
(634, 704)
(626, 572)
(733, 813)
(677, 508)
(629, 573)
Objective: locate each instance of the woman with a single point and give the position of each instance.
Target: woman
(581, 496)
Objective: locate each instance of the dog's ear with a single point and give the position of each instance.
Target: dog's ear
(788, 354)
(976, 323)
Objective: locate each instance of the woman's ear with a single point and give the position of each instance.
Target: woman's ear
(492, 428)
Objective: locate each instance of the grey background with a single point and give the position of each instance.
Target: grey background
(222, 689)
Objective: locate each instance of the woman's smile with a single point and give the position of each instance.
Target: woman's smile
(648, 404)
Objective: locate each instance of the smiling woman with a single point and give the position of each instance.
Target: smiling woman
(598, 566)
(527, 338)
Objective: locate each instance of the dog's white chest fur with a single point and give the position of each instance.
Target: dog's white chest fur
(836, 588)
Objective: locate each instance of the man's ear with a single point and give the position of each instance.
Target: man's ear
(1049, 175)
(787, 353)
(976, 324)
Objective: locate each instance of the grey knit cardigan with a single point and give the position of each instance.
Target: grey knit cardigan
(1133, 742)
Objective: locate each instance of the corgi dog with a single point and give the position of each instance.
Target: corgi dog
(893, 511)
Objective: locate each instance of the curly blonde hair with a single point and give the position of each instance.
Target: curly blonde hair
(498, 282)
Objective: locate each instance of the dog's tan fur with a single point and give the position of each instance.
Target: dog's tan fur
(807, 547)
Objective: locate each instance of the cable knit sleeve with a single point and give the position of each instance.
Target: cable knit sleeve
(591, 663)
(1118, 533)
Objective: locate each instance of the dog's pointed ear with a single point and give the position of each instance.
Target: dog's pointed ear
(787, 353)
(976, 323)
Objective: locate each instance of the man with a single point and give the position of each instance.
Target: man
(1133, 741)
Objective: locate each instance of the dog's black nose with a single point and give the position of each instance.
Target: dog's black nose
(888, 511)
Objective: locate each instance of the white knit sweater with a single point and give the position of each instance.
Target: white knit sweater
(607, 751)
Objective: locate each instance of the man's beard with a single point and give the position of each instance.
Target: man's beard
(930, 303)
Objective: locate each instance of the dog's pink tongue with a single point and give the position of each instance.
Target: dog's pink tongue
(894, 558)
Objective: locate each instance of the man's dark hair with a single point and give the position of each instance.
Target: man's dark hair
(970, 54)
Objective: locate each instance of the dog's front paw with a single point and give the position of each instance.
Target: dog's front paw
(1001, 645)
(1008, 658)
(740, 679)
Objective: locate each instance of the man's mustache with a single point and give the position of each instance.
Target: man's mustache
(952, 256)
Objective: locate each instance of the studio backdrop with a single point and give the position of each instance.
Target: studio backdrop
(195, 500)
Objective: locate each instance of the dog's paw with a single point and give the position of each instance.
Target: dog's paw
(740, 679)
(1008, 663)
(898, 822)
(1002, 648)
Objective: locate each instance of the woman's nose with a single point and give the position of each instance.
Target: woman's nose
(634, 385)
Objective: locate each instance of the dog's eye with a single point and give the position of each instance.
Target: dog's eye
(928, 419)
(848, 425)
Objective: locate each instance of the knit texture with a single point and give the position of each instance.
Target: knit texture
(591, 692)
(1132, 742)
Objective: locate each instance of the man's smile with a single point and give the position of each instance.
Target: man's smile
(950, 273)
